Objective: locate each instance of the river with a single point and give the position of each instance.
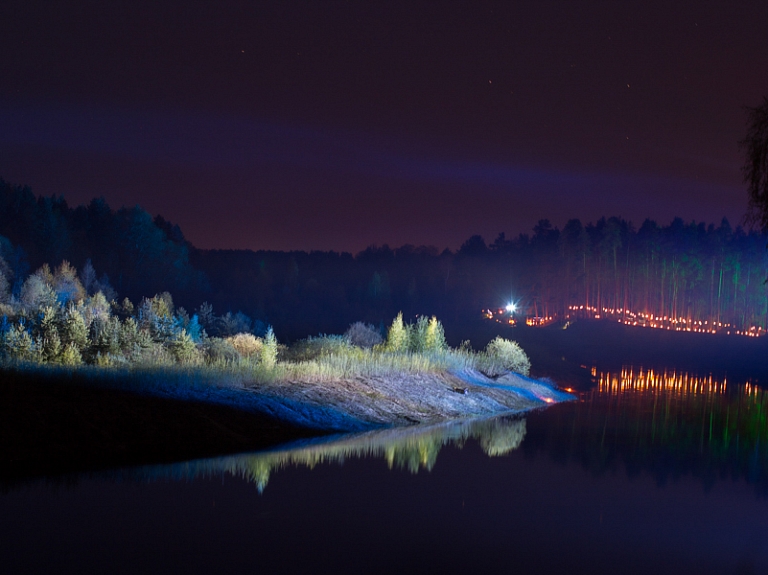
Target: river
(650, 471)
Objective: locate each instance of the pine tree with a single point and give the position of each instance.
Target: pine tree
(397, 336)
(435, 336)
(269, 349)
(73, 330)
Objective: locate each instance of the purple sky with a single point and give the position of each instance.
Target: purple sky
(318, 125)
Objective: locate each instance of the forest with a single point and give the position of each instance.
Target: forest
(689, 270)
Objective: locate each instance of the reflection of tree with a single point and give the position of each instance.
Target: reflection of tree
(501, 438)
(412, 448)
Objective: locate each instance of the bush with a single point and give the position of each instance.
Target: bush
(503, 355)
(246, 344)
(363, 335)
(219, 350)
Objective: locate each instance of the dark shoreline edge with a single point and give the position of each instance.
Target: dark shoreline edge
(64, 422)
(52, 430)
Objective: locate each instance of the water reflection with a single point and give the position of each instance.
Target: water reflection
(668, 422)
(412, 448)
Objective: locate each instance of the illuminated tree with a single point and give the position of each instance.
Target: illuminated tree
(73, 329)
(269, 349)
(435, 336)
(66, 284)
(755, 168)
(397, 336)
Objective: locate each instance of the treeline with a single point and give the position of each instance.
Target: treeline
(691, 270)
(685, 270)
(134, 253)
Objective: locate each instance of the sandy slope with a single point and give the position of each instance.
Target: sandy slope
(358, 403)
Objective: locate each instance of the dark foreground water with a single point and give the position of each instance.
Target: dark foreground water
(649, 472)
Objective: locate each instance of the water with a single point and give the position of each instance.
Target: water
(649, 472)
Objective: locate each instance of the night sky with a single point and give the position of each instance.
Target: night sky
(319, 125)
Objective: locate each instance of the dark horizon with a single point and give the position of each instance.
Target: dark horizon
(167, 223)
(336, 127)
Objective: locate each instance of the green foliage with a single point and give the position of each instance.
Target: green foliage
(49, 334)
(427, 335)
(397, 336)
(269, 350)
(435, 337)
(417, 335)
(71, 332)
(503, 355)
(183, 348)
(73, 329)
(105, 335)
(96, 308)
(71, 355)
(17, 344)
(36, 292)
(219, 351)
(132, 338)
(313, 347)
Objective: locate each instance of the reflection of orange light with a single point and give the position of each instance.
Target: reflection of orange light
(549, 400)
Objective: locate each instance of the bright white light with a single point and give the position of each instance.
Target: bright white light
(511, 308)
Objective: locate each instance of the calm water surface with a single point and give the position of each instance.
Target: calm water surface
(649, 472)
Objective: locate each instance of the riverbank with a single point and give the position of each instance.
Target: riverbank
(55, 422)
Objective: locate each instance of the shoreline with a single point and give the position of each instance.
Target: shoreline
(57, 423)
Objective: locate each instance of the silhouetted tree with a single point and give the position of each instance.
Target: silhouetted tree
(755, 168)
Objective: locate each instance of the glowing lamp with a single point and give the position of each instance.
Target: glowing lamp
(511, 308)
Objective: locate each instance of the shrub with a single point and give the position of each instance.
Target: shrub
(219, 350)
(363, 335)
(246, 344)
(502, 355)
(312, 348)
